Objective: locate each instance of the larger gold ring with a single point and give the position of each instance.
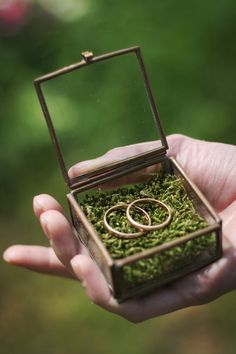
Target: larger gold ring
(123, 234)
(148, 227)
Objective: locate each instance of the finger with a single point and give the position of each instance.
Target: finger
(56, 227)
(93, 281)
(98, 291)
(44, 202)
(111, 157)
(134, 177)
(61, 236)
(36, 258)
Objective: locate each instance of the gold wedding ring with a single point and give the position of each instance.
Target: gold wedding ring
(123, 234)
(148, 227)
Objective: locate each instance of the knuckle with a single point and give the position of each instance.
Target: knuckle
(177, 137)
(112, 151)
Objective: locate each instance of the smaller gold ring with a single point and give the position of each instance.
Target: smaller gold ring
(123, 234)
(148, 227)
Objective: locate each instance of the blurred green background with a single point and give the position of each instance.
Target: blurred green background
(189, 50)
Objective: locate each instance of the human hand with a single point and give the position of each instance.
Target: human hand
(212, 166)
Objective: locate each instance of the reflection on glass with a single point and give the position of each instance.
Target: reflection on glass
(99, 107)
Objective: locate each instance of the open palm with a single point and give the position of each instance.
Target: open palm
(212, 166)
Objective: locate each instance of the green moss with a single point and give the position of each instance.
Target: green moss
(169, 263)
(167, 188)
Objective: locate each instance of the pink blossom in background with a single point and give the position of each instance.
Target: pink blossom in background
(13, 15)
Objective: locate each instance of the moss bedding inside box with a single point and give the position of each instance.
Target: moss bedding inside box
(168, 189)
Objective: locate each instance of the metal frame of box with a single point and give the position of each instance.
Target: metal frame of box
(112, 269)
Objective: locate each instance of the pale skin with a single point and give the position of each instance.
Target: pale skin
(212, 166)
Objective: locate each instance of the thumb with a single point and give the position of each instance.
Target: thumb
(92, 280)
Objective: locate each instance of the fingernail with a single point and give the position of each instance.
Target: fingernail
(44, 223)
(75, 265)
(75, 261)
(38, 208)
(73, 171)
(8, 255)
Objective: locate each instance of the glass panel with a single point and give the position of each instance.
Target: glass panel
(161, 186)
(172, 263)
(99, 107)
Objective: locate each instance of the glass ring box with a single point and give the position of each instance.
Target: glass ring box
(103, 106)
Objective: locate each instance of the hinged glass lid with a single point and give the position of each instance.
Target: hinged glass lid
(96, 105)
